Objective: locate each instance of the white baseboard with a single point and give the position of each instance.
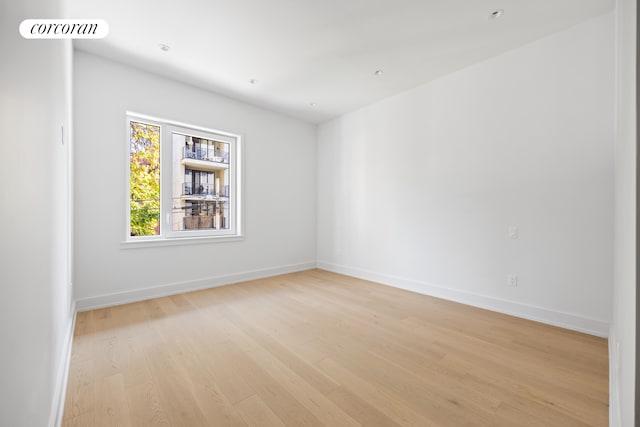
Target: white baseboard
(557, 318)
(60, 390)
(526, 311)
(108, 300)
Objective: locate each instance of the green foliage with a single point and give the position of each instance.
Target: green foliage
(144, 184)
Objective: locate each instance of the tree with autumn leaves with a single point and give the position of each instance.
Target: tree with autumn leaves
(144, 184)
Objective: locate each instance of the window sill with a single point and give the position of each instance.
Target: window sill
(178, 241)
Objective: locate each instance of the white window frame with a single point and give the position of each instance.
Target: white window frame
(167, 236)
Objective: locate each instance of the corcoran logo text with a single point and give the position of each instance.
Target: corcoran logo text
(64, 29)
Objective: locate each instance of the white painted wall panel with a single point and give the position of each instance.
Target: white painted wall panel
(623, 344)
(419, 190)
(36, 308)
(279, 191)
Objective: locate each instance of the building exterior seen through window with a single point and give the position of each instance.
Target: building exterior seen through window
(200, 183)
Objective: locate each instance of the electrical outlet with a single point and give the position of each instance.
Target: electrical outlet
(513, 232)
(513, 280)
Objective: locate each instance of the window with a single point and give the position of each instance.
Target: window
(183, 181)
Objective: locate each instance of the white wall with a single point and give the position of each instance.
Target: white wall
(419, 190)
(622, 342)
(279, 191)
(36, 311)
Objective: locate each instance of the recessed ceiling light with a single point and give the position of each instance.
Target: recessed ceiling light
(164, 47)
(496, 14)
(313, 104)
(253, 81)
(378, 72)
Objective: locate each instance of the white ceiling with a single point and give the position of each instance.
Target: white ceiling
(319, 51)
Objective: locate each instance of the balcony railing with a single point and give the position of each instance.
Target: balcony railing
(188, 189)
(208, 155)
(200, 222)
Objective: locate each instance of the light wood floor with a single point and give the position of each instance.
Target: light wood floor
(317, 348)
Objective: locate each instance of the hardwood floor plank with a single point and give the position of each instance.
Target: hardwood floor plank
(437, 399)
(256, 413)
(358, 409)
(145, 407)
(379, 398)
(309, 397)
(80, 398)
(203, 383)
(174, 392)
(316, 348)
(305, 371)
(85, 420)
(269, 389)
(112, 409)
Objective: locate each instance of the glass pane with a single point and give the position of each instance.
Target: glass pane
(144, 179)
(200, 199)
